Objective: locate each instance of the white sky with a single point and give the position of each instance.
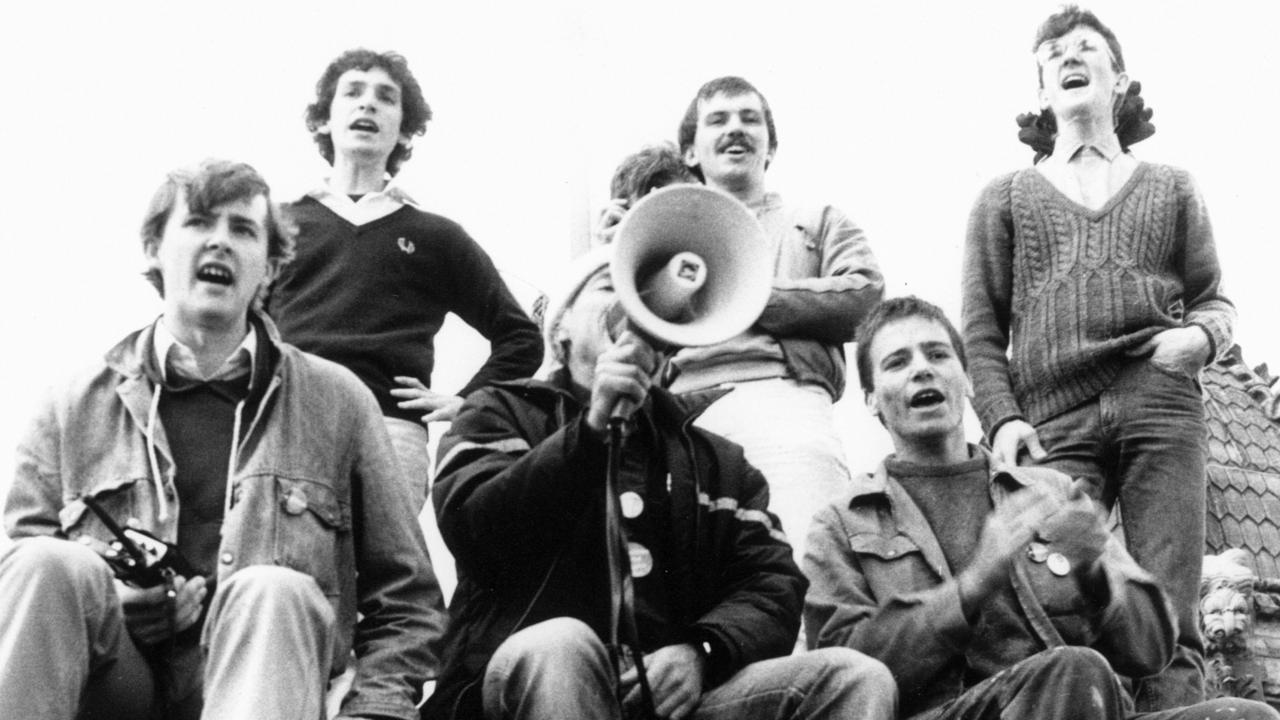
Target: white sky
(898, 112)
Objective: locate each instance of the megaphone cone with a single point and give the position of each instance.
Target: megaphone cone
(691, 266)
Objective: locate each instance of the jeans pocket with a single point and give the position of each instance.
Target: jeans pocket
(1175, 373)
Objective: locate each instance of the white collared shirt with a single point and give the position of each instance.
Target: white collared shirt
(370, 207)
(1088, 173)
(170, 352)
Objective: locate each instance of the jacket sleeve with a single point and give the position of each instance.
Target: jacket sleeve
(829, 307)
(504, 486)
(915, 633)
(987, 293)
(758, 615)
(483, 301)
(398, 633)
(1138, 629)
(36, 493)
(1207, 307)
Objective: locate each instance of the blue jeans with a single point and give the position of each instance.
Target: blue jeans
(1074, 683)
(64, 650)
(560, 669)
(1143, 443)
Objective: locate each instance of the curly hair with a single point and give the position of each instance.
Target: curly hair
(893, 310)
(416, 111)
(205, 186)
(731, 86)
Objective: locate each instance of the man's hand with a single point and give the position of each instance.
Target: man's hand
(1077, 530)
(607, 224)
(439, 406)
(1012, 437)
(675, 676)
(623, 372)
(1006, 533)
(1182, 350)
(147, 611)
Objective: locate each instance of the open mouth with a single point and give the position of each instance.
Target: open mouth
(927, 398)
(1074, 80)
(215, 273)
(364, 125)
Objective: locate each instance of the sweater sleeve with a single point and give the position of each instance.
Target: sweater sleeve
(1207, 307)
(829, 307)
(483, 300)
(987, 292)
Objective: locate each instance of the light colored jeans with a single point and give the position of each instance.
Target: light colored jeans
(413, 450)
(64, 650)
(787, 431)
(560, 669)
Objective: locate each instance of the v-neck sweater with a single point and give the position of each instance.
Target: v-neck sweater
(1069, 289)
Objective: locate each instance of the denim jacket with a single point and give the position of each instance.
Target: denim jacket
(880, 584)
(314, 487)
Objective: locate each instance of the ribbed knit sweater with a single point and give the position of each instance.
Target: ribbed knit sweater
(1055, 293)
(372, 298)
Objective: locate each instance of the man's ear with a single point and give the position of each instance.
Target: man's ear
(1043, 97)
(873, 405)
(690, 159)
(1122, 85)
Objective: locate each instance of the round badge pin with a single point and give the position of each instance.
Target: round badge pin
(1059, 564)
(632, 504)
(641, 560)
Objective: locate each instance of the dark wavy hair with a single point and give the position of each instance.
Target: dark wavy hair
(651, 167)
(893, 310)
(205, 186)
(416, 111)
(732, 86)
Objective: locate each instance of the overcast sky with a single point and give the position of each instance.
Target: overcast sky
(897, 112)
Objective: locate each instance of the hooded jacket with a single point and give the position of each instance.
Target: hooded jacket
(312, 486)
(520, 498)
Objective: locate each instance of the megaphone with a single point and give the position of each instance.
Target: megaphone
(691, 266)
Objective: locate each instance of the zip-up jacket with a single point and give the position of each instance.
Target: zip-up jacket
(520, 498)
(313, 486)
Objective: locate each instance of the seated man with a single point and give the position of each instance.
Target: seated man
(521, 498)
(990, 591)
(270, 472)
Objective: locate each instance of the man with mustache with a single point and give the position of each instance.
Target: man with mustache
(783, 374)
(268, 469)
(1092, 299)
(990, 591)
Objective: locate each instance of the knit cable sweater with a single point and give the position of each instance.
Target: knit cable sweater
(1069, 289)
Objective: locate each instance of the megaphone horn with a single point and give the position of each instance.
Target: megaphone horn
(691, 266)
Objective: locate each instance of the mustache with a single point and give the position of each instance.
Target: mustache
(737, 137)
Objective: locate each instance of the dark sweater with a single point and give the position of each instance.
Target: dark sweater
(1072, 288)
(373, 297)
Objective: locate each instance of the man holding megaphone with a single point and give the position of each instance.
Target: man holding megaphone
(790, 363)
(714, 594)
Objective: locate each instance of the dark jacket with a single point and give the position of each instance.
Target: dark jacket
(520, 498)
(881, 585)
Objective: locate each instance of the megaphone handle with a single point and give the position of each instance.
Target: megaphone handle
(622, 411)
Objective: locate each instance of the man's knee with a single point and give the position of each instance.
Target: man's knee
(268, 588)
(46, 562)
(567, 642)
(850, 671)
